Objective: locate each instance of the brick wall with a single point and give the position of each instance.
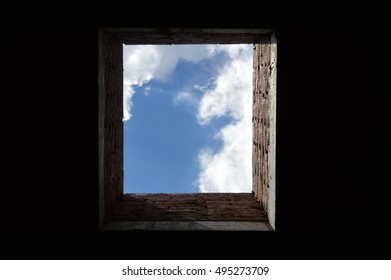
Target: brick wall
(189, 207)
(264, 102)
(113, 125)
(188, 36)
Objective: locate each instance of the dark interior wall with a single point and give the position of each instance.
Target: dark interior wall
(331, 166)
(111, 146)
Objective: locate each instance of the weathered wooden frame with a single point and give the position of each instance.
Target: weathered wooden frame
(110, 84)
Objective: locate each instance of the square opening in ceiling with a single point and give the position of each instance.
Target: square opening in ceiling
(188, 118)
(202, 211)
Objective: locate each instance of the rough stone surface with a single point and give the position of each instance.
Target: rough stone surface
(113, 126)
(188, 225)
(188, 36)
(189, 206)
(264, 97)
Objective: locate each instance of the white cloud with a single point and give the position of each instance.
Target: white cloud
(128, 93)
(147, 90)
(229, 169)
(233, 88)
(185, 97)
(139, 64)
(145, 62)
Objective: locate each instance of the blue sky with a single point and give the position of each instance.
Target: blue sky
(187, 118)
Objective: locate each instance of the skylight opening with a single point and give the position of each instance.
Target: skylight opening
(187, 118)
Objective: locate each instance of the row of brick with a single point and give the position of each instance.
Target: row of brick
(200, 206)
